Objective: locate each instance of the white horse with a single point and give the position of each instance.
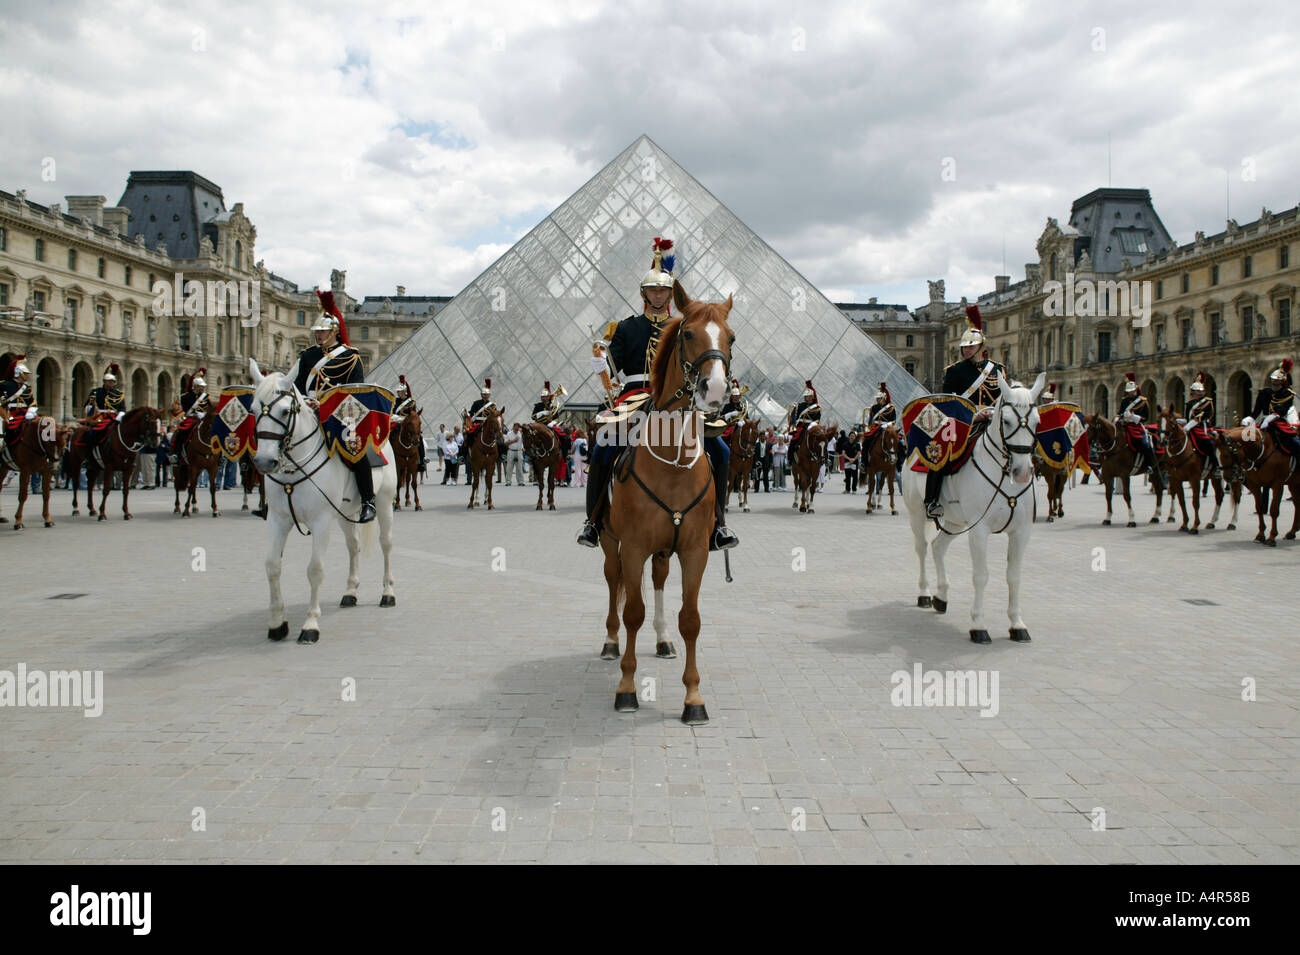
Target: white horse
(993, 492)
(305, 485)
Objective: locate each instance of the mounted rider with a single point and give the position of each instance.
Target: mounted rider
(806, 412)
(404, 405)
(1134, 412)
(1199, 415)
(544, 412)
(1275, 410)
(330, 362)
(195, 403)
(476, 415)
(105, 405)
(631, 351)
(733, 409)
(881, 413)
(16, 395)
(974, 377)
(1048, 397)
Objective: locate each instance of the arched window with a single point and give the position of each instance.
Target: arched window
(239, 254)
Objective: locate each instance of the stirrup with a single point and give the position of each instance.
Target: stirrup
(367, 512)
(933, 509)
(589, 536)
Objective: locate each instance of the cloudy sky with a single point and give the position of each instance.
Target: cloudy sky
(413, 143)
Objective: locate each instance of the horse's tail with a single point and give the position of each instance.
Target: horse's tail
(369, 536)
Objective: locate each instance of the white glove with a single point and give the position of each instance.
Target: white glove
(31, 413)
(121, 415)
(599, 364)
(984, 414)
(1268, 420)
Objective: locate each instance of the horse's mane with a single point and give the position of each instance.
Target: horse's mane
(659, 369)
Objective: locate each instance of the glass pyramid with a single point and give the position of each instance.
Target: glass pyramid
(530, 317)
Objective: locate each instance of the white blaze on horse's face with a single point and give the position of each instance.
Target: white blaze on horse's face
(711, 392)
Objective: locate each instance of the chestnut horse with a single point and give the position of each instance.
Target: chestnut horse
(407, 440)
(806, 465)
(1251, 457)
(196, 457)
(543, 451)
(1055, 480)
(1117, 460)
(483, 453)
(138, 430)
(882, 460)
(663, 492)
(742, 441)
(39, 448)
(1184, 463)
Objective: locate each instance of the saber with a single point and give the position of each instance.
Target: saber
(726, 561)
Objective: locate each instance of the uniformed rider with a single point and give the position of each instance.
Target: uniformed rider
(974, 377)
(105, 405)
(1275, 407)
(632, 345)
(807, 412)
(332, 361)
(1134, 410)
(195, 403)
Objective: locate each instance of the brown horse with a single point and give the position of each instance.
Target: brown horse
(407, 441)
(806, 465)
(1117, 460)
(882, 460)
(1184, 463)
(39, 448)
(543, 451)
(663, 492)
(483, 453)
(138, 430)
(1055, 479)
(196, 457)
(1252, 457)
(742, 441)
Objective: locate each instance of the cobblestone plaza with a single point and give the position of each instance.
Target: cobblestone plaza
(1151, 720)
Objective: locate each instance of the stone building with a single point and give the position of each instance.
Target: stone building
(92, 285)
(1221, 304)
(912, 337)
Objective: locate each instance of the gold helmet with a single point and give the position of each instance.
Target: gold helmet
(974, 328)
(661, 267)
(1199, 384)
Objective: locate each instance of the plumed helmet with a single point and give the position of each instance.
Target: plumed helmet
(809, 391)
(21, 369)
(974, 327)
(325, 323)
(546, 389)
(1282, 372)
(735, 386)
(661, 266)
(18, 367)
(112, 373)
(1199, 383)
(402, 386)
(882, 392)
(197, 381)
(487, 386)
(1051, 390)
(1130, 382)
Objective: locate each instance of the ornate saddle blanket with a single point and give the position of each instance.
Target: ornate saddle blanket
(937, 432)
(1134, 434)
(1285, 427)
(1062, 438)
(233, 425)
(1202, 439)
(356, 419)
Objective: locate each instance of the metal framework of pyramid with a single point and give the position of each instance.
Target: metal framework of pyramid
(530, 317)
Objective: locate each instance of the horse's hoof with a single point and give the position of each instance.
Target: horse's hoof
(940, 606)
(810, 510)
(469, 507)
(923, 601)
(1020, 635)
(418, 507)
(176, 510)
(1290, 536)
(1259, 538)
(349, 600)
(803, 510)
(665, 650)
(309, 636)
(388, 600)
(1232, 527)
(538, 507)
(980, 636)
(102, 517)
(49, 523)
(694, 714)
(609, 651)
(1170, 521)
(1106, 522)
(1050, 519)
(893, 513)
(1156, 520)
(1183, 529)
(76, 513)
(626, 703)
(1210, 526)
(278, 633)
(1131, 524)
(1194, 530)
(552, 507)
(17, 525)
(244, 508)
(1271, 542)
(216, 513)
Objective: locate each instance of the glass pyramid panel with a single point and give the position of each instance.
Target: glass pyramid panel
(531, 315)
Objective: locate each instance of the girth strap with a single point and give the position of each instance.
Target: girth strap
(677, 516)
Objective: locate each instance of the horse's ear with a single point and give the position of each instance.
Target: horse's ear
(254, 371)
(729, 303)
(1039, 382)
(1003, 385)
(680, 298)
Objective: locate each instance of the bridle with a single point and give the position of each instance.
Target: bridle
(129, 448)
(407, 446)
(690, 369)
(50, 455)
(530, 436)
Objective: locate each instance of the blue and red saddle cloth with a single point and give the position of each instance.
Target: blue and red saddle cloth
(938, 432)
(356, 419)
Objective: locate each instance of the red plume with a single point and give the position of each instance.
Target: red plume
(1286, 365)
(546, 386)
(115, 370)
(885, 388)
(327, 304)
(973, 316)
(663, 245)
(202, 372)
(487, 383)
(1131, 376)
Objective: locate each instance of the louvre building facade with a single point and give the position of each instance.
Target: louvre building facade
(531, 316)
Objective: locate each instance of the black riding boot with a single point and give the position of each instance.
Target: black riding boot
(598, 472)
(723, 537)
(933, 481)
(366, 489)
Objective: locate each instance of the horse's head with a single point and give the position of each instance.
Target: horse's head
(694, 354)
(412, 423)
(276, 405)
(1015, 416)
(140, 426)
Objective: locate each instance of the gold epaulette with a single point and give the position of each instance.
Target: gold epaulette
(610, 329)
